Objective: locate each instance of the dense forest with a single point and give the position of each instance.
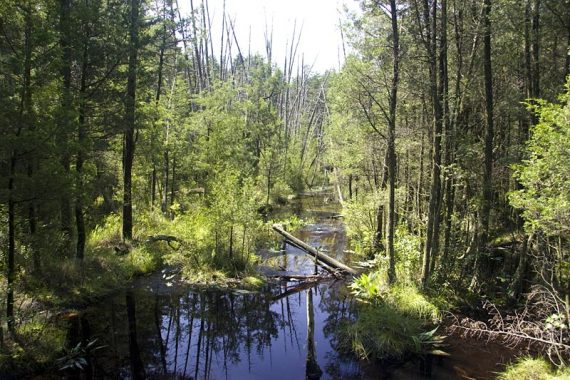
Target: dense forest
(131, 141)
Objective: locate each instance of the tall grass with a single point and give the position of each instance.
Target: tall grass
(392, 321)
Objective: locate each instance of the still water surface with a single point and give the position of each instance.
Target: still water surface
(162, 329)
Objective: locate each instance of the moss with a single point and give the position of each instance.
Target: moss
(533, 369)
(253, 281)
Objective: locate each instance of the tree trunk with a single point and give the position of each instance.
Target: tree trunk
(65, 119)
(329, 261)
(10, 269)
(432, 230)
(391, 149)
(164, 203)
(487, 194)
(197, 56)
(130, 108)
(81, 137)
(173, 185)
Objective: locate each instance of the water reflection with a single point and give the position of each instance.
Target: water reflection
(164, 330)
(281, 332)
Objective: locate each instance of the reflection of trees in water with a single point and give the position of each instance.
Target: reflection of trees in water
(312, 369)
(183, 335)
(199, 334)
(338, 307)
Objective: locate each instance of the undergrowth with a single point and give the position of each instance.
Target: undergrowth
(533, 369)
(392, 321)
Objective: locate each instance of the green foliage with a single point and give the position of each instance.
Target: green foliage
(369, 286)
(381, 331)
(409, 301)
(392, 320)
(533, 369)
(545, 174)
(360, 219)
(76, 357)
(38, 345)
(406, 299)
(407, 248)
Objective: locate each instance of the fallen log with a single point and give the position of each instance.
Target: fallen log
(169, 239)
(295, 289)
(302, 277)
(321, 257)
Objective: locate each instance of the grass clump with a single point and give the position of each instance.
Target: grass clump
(392, 321)
(533, 369)
(380, 331)
(410, 302)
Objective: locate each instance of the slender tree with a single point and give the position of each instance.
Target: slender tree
(130, 123)
(391, 143)
(487, 188)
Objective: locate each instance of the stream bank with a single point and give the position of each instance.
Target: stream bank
(162, 328)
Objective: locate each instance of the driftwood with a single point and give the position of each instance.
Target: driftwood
(326, 261)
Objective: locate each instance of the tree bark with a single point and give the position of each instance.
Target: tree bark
(81, 140)
(65, 119)
(487, 193)
(432, 230)
(391, 149)
(313, 252)
(130, 108)
(10, 268)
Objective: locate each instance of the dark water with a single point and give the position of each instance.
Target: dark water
(161, 329)
(286, 330)
(222, 335)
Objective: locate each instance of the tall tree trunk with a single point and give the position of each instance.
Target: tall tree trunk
(432, 230)
(24, 120)
(536, 49)
(80, 159)
(515, 287)
(130, 108)
(27, 121)
(173, 186)
(567, 61)
(166, 173)
(65, 119)
(10, 267)
(158, 93)
(487, 194)
(391, 148)
(197, 56)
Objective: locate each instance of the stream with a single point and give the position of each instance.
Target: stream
(161, 328)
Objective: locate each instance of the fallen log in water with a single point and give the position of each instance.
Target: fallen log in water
(328, 261)
(302, 277)
(294, 289)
